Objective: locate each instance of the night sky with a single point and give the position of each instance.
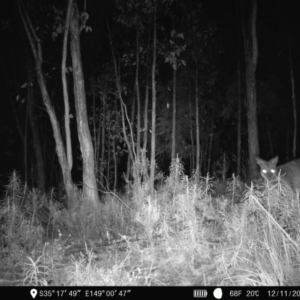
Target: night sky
(220, 37)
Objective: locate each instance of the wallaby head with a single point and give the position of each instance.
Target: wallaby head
(268, 169)
(289, 172)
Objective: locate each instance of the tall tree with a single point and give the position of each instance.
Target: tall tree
(65, 87)
(192, 155)
(138, 100)
(103, 125)
(153, 129)
(197, 121)
(248, 15)
(36, 47)
(84, 135)
(124, 114)
(174, 115)
(239, 125)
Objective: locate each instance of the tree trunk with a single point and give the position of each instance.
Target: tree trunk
(239, 99)
(174, 115)
(192, 163)
(108, 161)
(210, 141)
(145, 142)
(25, 147)
(197, 124)
(85, 140)
(37, 53)
(124, 115)
(251, 54)
(138, 102)
(98, 144)
(103, 142)
(130, 158)
(239, 125)
(115, 165)
(153, 132)
(65, 88)
(114, 154)
(94, 127)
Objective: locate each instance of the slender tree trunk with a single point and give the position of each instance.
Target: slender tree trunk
(123, 106)
(108, 162)
(114, 153)
(239, 99)
(146, 98)
(287, 139)
(98, 147)
(138, 100)
(251, 54)
(197, 124)
(85, 140)
(191, 131)
(145, 141)
(115, 165)
(94, 127)
(25, 147)
(37, 53)
(174, 114)
(129, 158)
(210, 141)
(65, 88)
(153, 132)
(103, 142)
(239, 125)
(205, 147)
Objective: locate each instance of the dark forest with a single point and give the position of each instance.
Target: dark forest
(190, 105)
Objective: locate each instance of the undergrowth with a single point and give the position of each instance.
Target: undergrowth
(188, 232)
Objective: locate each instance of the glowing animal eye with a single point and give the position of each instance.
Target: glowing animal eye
(264, 171)
(273, 171)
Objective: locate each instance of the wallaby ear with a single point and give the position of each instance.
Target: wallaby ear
(259, 161)
(274, 160)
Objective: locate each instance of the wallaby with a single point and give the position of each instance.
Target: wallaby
(289, 172)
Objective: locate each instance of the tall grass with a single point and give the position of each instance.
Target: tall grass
(185, 233)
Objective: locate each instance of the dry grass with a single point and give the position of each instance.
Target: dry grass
(183, 234)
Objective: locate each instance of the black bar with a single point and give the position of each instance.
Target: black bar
(153, 292)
